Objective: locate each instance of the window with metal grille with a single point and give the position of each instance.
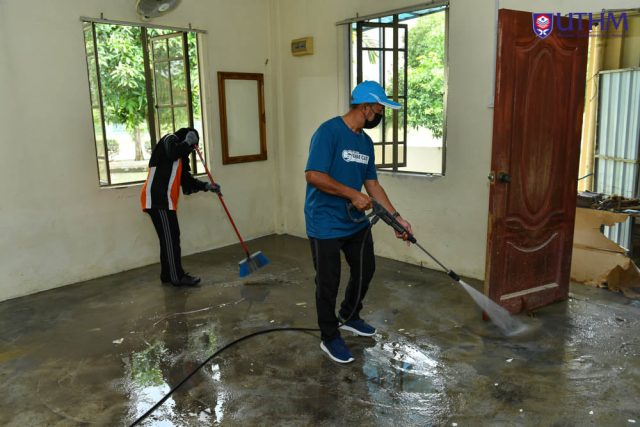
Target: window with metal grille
(407, 54)
(144, 83)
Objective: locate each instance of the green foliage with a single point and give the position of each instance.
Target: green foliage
(426, 74)
(145, 365)
(122, 74)
(193, 66)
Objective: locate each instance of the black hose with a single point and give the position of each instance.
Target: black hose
(255, 334)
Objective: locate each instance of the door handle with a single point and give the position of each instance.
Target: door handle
(504, 177)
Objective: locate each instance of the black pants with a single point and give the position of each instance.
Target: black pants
(326, 260)
(166, 223)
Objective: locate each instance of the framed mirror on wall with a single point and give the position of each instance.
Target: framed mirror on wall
(242, 117)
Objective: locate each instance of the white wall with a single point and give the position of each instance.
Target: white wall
(57, 225)
(448, 214)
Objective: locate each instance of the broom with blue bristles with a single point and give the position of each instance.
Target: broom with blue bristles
(253, 261)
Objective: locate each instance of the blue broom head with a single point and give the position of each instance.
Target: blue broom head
(260, 259)
(244, 268)
(252, 263)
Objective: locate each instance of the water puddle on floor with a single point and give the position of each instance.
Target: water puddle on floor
(152, 372)
(402, 367)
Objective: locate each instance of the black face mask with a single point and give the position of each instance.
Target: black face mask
(370, 124)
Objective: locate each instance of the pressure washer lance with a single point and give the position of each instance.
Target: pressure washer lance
(498, 315)
(379, 212)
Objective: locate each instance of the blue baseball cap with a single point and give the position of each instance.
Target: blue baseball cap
(371, 92)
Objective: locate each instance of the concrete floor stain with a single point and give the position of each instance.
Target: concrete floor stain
(432, 362)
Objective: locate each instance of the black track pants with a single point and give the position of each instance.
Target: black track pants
(166, 223)
(326, 260)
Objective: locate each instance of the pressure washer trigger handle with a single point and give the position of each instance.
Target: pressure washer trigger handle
(350, 209)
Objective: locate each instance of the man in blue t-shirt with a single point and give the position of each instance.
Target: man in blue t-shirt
(341, 161)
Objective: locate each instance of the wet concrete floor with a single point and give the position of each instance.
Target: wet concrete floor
(104, 351)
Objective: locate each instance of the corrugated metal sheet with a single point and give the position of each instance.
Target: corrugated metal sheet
(620, 233)
(618, 140)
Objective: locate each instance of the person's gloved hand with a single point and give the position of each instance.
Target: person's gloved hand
(192, 138)
(209, 187)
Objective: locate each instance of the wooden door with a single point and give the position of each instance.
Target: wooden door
(537, 120)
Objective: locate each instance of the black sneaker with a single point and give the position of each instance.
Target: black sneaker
(187, 280)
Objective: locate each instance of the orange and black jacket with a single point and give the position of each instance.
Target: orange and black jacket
(168, 171)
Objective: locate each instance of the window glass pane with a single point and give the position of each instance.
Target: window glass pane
(371, 65)
(402, 34)
(401, 117)
(95, 105)
(388, 73)
(371, 37)
(375, 134)
(388, 153)
(93, 82)
(354, 57)
(97, 127)
(377, 151)
(163, 87)
(425, 93)
(199, 168)
(91, 64)
(192, 41)
(181, 117)
(178, 83)
(175, 47)
(401, 158)
(128, 159)
(159, 49)
(102, 171)
(195, 83)
(388, 37)
(124, 97)
(99, 138)
(401, 74)
(165, 118)
(388, 124)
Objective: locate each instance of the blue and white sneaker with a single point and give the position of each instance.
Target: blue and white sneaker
(337, 350)
(359, 327)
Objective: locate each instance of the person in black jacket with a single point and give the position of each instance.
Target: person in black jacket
(168, 171)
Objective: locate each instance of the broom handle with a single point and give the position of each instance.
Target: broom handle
(224, 205)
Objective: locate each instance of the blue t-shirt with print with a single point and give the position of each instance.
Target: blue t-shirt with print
(348, 158)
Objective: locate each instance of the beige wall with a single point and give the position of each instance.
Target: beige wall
(448, 214)
(57, 225)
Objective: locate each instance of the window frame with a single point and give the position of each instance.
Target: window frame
(382, 50)
(153, 124)
(370, 22)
